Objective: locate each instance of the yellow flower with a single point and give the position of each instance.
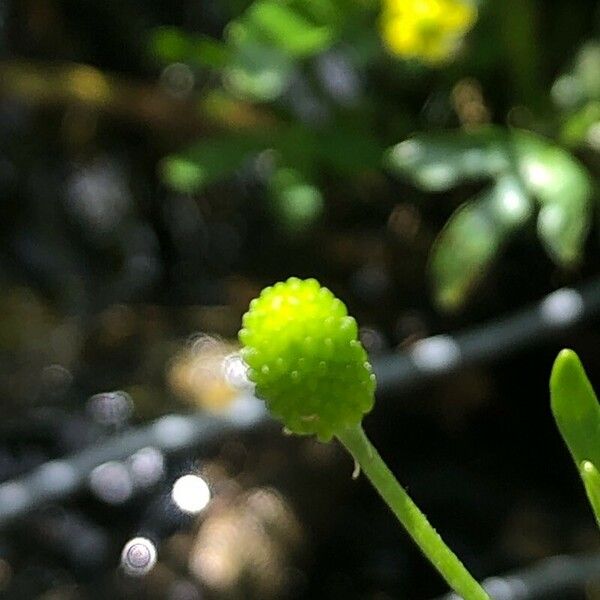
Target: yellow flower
(428, 30)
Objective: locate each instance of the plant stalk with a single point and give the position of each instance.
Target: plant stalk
(407, 512)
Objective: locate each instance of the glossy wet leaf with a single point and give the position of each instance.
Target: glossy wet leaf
(563, 189)
(437, 162)
(521, 168)
(563, 227)
(471, 239)
(575, 408)
(591, 481)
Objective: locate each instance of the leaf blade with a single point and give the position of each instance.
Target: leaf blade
(591, 481)
(575, 408)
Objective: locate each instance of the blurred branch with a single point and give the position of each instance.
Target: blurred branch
(62, 85)
(549, 578)
(441, 354)
(437, 355)
(58, 479)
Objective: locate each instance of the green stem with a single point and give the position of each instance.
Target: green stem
(414, 521)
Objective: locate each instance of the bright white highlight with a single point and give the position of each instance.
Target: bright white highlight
(562, 307)
(513, 205)
(408, 151)
(235, 372)
(538, 174)
(191, 494)
(138, 556)
(437, 353)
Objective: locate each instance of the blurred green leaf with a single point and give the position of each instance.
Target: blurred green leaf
(581, 84)
(462, 252)
(296, 202)
(323, 12)
(257, 71)
(269, 37)
(287, 29)
(587, 69)
(576, 127)
(575, 408)
(440, 161)
(563, 188)
(170, 44)
(563, 228)
(522, 167)
(510, 204)
(208, 161)
(472, 238)
(591, 481)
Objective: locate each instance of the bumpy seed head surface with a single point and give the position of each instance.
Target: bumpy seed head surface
(304, 356)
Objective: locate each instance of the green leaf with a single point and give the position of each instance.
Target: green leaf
(587, 69)
(563, 188)
(288, 29)
(576, 128)
(472, 238)
(296, 202)
(575, 408)
(438, 162)
(257, 71)
(208, 161)
(523, 167)
(330, 12)
(577, 414)
(563, 228)
(209, 52)
(591, 481)
(170, 44)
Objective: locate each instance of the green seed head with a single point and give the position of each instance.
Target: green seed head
(304, 356)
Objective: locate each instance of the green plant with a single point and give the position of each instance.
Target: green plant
(304, 356)
(528, 176)
(577, 414)
(287, 103)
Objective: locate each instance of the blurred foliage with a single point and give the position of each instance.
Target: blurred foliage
(301, 61)
(523, 168)
(577, 93)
